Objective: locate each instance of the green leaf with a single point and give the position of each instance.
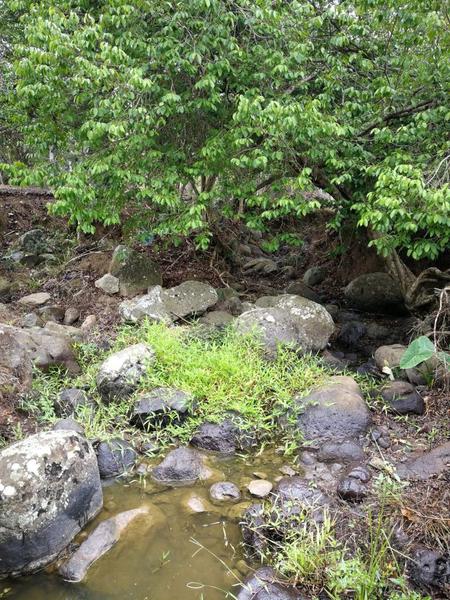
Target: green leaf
(417, 352)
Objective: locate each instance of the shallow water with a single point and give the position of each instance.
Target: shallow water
(162, 561)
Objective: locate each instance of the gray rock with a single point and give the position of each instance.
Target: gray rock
(108, 284)
(293, 496)
(115, 457)
(49, 489)
(5, 288)
(150, 306)
(182, 466)
(120, 374)
(262, 266)
(69, 401)
(224, 491)
(334, 412)
(33, 242)
(265, 585)
(375, 292)
(68, 424)
(190, 298)
(15, 363)
(390, 356)
(51, 313)
(272, 326)
(71, 315)
(255, 529)
(135, 271)
(334, 452)
(102, 539)
(216, 318)
(300, 288)
(225, 437)
(426, 464)
(361, 473)
(314, 275)
(351, 489)
(161, 406)
(75, 334)
(430, 569)
(351, 333)
(260, 488)
(402, 398)
(30, 320)
(35, 300)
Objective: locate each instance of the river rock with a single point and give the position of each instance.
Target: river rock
(115, 457)
(49, 489)
(272, 326)
(108, 284)
(347, 451)
(104, 537)
(260, 488)
(69, 401)
(225, 437)
(182, 466)
(336, 411)
(300, 288)
(216, 318)
(134, 270)
(68, 424)
(314, 275)
(71, 315)
(161, 406)
(120, 374)
(375, 292)
(189, 298)
(265, 585)
(294, 495)
(35, 300)
(150, 306)
(424, 465)
(402, 398)
(224, 491)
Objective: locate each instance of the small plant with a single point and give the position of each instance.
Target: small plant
(421, 350)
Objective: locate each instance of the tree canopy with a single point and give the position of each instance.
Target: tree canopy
(176, 113)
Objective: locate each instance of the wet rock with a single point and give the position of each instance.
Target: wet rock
(182, 466)
(68, 424)
(103, 538)
(150, 306)
(430, 569)
(16, 367)
(49, 489)
(293, 495)
(254, 528)
(287, 470)
(115, 457)
(351, 333)
(347, 451)
(224, 491)
(225, 437)
(69, 401)
(161, 406)
(265, 585)
(375, 292)
(134, 270)
(314, 275)
(120, 374)
(426, 464)
(300, 288)
(190, 298)
(216, 318)
(351, 489)
(108, 284)
(260, 488)
(194, 503)
(335, 412)
(403, 398)
(35, 300)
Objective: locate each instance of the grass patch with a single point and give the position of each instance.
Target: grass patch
(224, 372)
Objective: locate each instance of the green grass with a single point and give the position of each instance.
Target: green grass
(224, 372)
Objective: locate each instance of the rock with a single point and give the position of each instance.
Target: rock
(35, 300)
(224, 491)
(30, 320)
(135, 271)
(103, 538)
(44, 348)
(195, 504)
(49, 489)
(65, 331)
(314, 275)
(216, 318)
(262, 266)
(33, 242)
(108, 284)
(402, 398)
(300, 288)
(69, 401)
(334, 412)
(375, 292)
(335, 452)
(351, 489)
(265, 585)
(361, 473)
(255, 529)
(182, 466)
(272, 326)
(120, 374)
(51, 313)
(16, 367)
(189, 298)
(115, 457)
(293, 495)
(351, 333)
(390, 356)
(287, 470)
(5, 288)
(260, 488)
(160, 407)
(224, 437)
(71, 315)
(68, 424)
(430, 569)
(89, 323)
(150, 306)
(426, 464)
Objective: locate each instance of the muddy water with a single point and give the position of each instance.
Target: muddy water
(176, 554)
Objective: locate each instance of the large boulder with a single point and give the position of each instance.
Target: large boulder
(134, 270)
(120, 374)
(182, 466)
(189, 298)
(375, 292)
(335, 411)
(49, 489)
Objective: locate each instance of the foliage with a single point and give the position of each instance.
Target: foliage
(420, 350)
(176, 114)
(224, 373)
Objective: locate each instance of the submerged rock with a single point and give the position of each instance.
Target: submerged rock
(260, 488)
(265, 585)
(224, 491)
(181, 466)
(49, 489)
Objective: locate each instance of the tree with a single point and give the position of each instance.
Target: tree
(248, 106)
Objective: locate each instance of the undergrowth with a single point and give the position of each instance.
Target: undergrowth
(224, 372)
